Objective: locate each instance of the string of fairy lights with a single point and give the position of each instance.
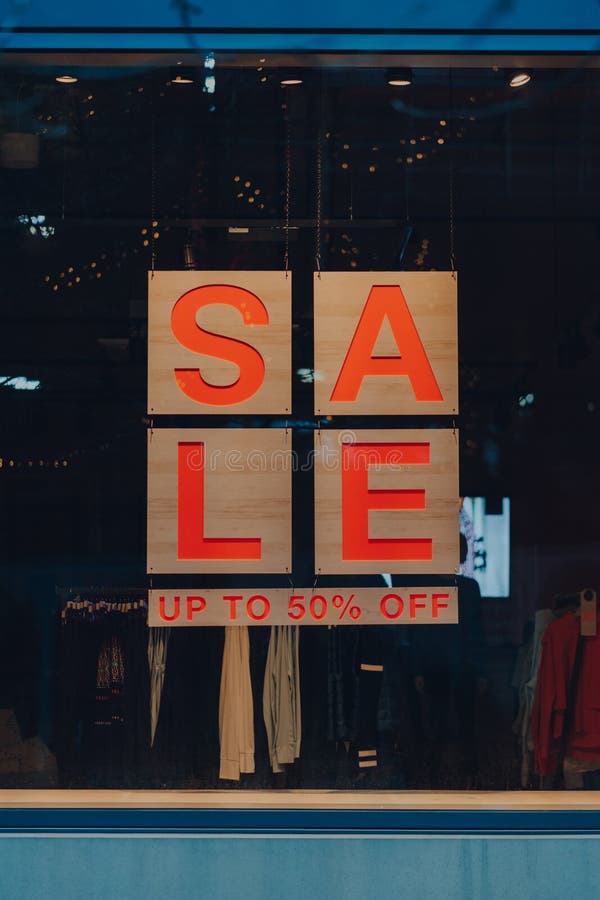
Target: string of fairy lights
(246, 190)
(410, 150)
(72, 276)
(425, 146)
(61, 462)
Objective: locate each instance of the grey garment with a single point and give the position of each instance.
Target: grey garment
(522, 665)
(522, 724)
(281, 696)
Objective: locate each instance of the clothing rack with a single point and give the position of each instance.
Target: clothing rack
(93, 599)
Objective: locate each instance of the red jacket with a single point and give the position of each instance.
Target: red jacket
(559, 645)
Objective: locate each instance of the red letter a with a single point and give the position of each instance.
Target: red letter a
(412, 362)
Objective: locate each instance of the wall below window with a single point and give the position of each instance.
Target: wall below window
(548, 849)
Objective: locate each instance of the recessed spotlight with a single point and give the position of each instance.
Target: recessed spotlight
(519, 79)
(67, 79)
(399, 77)
(291, 79)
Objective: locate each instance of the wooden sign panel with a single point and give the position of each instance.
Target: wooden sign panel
(219, 500)
(219, 342)
(303, 606)
(386, 501)
(386, 343)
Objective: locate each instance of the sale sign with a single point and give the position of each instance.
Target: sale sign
(219, 500)
(219, 343)
(385, 343)
(387, 501)
(304, 606)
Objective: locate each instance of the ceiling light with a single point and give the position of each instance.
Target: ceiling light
(182, 75)
(292, 79)
(67, 79)
(519, 79)
(399, 77)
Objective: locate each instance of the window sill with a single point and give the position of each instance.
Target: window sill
(521, 801)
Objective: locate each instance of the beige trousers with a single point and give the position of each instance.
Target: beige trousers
(236, 711)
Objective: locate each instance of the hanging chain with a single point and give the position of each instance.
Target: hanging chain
(153, 222)
(451, 213)
(319, 203)
(451, 177)
(288, 190)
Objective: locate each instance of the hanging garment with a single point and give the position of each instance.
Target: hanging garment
(236, 712)
(158, 639)
(370, 668)
(559, 646)
(450, 659)
(110, 679)
(103, 731)
(260, 636)
(185, 752)
(341, 681)
(521, 723)
(525, 680)
(281, 696)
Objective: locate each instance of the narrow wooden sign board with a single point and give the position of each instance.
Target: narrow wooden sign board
(186, 607)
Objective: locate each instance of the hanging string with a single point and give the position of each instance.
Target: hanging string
(154, 221)
(288, 189)
(451, 177)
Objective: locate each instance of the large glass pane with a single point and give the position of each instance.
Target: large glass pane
(126, 170)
